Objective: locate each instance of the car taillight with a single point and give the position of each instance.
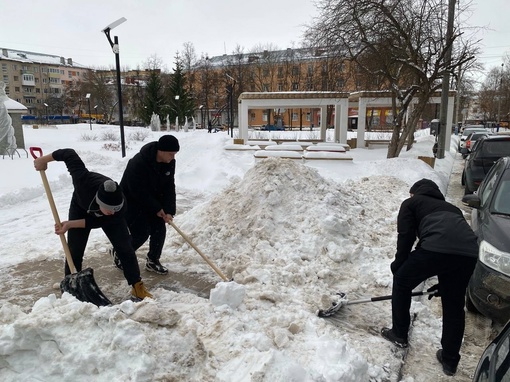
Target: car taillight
(468, 144)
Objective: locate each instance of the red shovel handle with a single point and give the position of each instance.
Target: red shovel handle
(34, 151)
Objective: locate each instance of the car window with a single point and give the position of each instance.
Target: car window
(489, 183)
(496, 148)
(503, 360)
(502, 198)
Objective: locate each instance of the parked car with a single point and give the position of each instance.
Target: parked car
(494, 364)
(488, 151)
(488, 290)
(470, 142)
(468, 130)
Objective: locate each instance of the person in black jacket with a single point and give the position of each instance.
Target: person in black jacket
(447, 248)
(149, 186)
(97, 202)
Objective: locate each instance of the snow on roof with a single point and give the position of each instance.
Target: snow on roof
(40, 58)
(10, 104)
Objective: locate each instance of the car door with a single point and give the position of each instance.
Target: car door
(494, 365)
(480, 215)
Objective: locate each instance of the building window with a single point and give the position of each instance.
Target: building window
(16, 78)
(4, 67)
(265, 88)
(295, 86)
(280, 87)
(6, 78)
(37, 90)
(307, 117)
(29, 100)
(24, 67)
(294, 117)
(265, 72)
(14, 67)
(252, 117)
(295, 70)
(280, 72)
(7, 89)
(16, 89)
(264, 117)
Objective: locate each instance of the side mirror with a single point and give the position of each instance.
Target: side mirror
(471, 200)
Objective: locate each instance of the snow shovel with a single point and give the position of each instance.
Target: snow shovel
(335, 307)
(185, 237)
(80, 284)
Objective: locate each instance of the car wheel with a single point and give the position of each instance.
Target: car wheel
(470, 306)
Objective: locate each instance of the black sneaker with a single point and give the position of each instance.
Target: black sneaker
(447, 369)
(390, 336)
(116, 260)
(155, 266)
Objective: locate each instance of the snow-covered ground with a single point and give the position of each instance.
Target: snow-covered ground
(290, 233)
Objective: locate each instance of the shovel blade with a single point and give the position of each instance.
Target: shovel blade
(83, 286)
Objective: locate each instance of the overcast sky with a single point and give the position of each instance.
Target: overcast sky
(72, 28)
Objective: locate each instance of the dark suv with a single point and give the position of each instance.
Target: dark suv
(487, 151)
(488, 291)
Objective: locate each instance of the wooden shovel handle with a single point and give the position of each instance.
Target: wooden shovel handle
(33, 151)
(185, 237)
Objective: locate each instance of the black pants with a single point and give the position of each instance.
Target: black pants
(453, 273)
(142, 227)
(117, 232)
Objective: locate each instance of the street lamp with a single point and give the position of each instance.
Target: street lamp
(201, 108)
(95, 111)
(47, 118)
(115, 48)
(90, 116)
(177, 111)
(230, 93)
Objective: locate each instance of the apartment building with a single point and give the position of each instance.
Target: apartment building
(303, 69)
(36, 79)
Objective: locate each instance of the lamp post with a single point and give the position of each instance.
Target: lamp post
(115, 48)
(499, 97)
(95, 112)
(47, 118)
(177, 111)
(87, 97)
(201, 108)
(230, 92)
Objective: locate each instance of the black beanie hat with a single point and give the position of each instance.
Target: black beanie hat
(423, 182)
(168, 143)
(109, 196)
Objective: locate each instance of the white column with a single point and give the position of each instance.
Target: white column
(324, 122)
(242, 117)
(341, 120)
(362, 117)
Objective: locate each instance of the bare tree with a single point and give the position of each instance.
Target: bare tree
(400, 43)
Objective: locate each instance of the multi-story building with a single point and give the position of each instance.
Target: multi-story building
(36, 80)
(304, 69)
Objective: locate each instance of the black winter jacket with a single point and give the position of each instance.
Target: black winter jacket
(149, 186)
(439, 226)
(86, 184)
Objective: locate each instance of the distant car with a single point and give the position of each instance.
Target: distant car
(468, 130)
(488, 151)
(488, 290)
(470, 142)
(494, 364)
